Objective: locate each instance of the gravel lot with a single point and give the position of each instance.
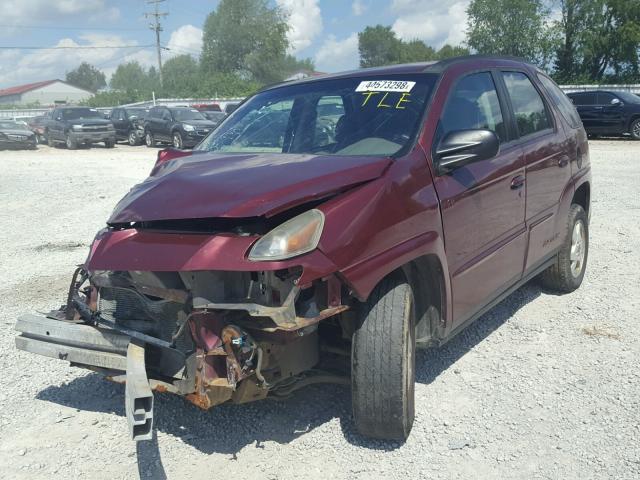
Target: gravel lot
(543, 386)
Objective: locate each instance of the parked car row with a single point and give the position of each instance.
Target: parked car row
(182, 127)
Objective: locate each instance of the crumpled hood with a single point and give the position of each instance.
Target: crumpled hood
(206, 185)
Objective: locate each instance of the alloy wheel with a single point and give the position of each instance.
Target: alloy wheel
(578, 248)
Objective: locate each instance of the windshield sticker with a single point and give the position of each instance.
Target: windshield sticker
(385, 86)
(384, 102)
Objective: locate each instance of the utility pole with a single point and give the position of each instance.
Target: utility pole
(157, 27)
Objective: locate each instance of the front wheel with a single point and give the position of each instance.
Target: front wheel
(635, 129)
(149, 140)
(383, 362)
(566, 274)
(109, 143)
(177, 140)
(70, 142)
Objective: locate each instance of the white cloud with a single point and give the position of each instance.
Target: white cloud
(185, 40)
(26, 11)
(434, 21)
(336, 55)
(358, 8)
(305, 22)
(20, 67)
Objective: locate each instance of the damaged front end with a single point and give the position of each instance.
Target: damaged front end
(216, 294)
(211, 336)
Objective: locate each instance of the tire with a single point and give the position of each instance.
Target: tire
(635, 129)
(177, 141)
(567, 273)
(70, 143)
(383, 362)
(132, 138)
(109, 143)
(149, 140)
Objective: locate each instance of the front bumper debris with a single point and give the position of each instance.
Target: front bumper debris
(68, 340)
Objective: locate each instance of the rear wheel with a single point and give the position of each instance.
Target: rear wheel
(149, 140)
(383, 362)
(635, 129)
(133, 138)
(567, 273)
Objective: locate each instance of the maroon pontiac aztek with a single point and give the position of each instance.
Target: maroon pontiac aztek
(324, 231)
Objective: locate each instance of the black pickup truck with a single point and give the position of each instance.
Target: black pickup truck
(74, 126)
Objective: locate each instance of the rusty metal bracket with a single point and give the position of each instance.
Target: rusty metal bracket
(138, 395)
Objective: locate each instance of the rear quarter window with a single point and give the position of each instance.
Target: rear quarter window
(561, 101)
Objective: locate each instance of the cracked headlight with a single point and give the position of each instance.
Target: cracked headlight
(294, 237)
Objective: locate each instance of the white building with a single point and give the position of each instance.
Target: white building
(50, 92)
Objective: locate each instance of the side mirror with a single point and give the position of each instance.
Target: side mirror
(616, 102)
(461, 147)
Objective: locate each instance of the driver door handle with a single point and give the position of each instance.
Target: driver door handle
(517, 182)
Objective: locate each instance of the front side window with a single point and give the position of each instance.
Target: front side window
(349, 116)
(605, 98)
(474, 104)
(528, 106)
(561, 101)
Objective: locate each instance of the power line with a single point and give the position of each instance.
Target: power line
(61, 27)
(73, 47)
(157, 27)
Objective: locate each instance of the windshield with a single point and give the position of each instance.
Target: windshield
(12, 126)
(627, 97)
(75, 113)
(136, 112)
(351, 116)
(183, 114)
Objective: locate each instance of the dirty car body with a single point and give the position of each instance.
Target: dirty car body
(15, 136)
(260, 262)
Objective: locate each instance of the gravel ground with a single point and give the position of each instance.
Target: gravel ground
(543, 386)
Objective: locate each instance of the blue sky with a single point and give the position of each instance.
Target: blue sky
(324, 30)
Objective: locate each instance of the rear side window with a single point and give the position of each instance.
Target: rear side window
(561, 101)
(473, 104)
(584, 98)
(528, 106)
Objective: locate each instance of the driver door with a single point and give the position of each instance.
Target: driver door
(482, 203)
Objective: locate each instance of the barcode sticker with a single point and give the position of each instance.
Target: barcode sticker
(385, 86)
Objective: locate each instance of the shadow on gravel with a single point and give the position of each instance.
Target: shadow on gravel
(432, 362)
(229, 428)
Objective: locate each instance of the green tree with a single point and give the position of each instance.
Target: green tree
(378, 46)
(509, 27)
(448, 51)
(246, 38)
(598, 40)
(87, 76)
(181, 76)
(130, 76)
(416, 51)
